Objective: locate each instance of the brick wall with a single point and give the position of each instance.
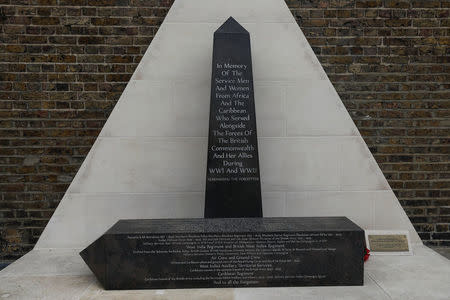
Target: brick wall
(64, 64)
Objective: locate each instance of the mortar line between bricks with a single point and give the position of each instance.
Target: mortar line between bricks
(363, 119)
(126, 73)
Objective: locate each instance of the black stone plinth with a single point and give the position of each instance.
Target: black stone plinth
(233, 187)
(235, 252)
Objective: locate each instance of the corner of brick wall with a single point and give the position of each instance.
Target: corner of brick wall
(64, 64)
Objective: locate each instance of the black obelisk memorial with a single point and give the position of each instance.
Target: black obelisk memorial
(232, 246)
(233, 187)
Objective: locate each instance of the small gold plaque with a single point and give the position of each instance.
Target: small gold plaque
(388, 243)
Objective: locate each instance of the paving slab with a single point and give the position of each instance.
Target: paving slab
(61, 274)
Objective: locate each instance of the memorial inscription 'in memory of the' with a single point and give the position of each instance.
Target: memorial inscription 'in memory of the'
(232, 183)
(232, 148)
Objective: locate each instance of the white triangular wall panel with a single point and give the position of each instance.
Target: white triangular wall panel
(149, 160)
